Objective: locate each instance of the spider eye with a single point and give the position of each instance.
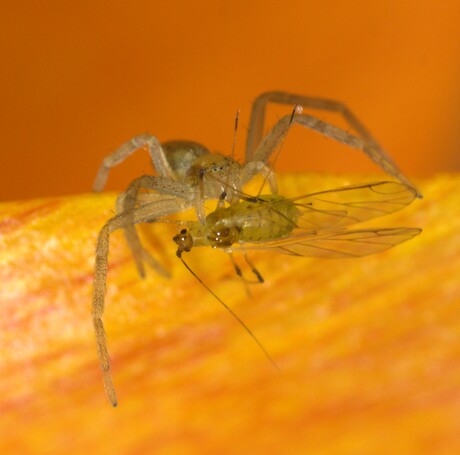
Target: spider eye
(183, 231)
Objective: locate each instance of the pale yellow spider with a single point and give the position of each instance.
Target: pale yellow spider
(188, 175)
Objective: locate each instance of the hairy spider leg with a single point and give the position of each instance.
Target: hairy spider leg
(146, 213)
(278, 131)
(128, 200)
(371, 147)
(153, 146)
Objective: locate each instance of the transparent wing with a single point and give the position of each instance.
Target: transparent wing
(351, 204)
(338, 244)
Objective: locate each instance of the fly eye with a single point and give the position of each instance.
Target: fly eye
(183, 231)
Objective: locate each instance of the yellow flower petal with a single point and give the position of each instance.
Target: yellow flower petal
(368, 348)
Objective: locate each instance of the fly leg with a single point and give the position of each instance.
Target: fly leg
(239, 272)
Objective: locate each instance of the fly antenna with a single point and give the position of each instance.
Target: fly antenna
(297, 110)
(248, 330)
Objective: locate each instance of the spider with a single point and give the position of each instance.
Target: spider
(190, 172)
(189, 175)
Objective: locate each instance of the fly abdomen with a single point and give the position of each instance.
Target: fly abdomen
(269, 217)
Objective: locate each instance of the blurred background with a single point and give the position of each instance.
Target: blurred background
(77, 79)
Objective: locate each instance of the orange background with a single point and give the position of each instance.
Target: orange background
(78, 79)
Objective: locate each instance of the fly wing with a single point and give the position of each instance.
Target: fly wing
(339, 244)
(351, 204)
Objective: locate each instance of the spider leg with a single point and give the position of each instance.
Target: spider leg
(147, 213)
(140, 255)
(371, 147)
(276, 135)
(253, 168)
(257, 120)
(151, 143)
(129, 199)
